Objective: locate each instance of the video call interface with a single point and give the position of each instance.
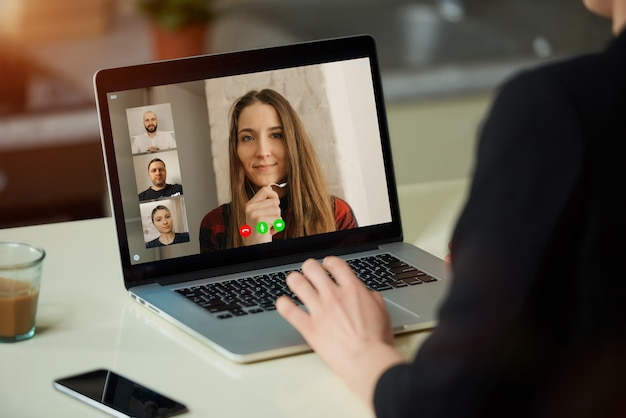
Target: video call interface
(171, 145)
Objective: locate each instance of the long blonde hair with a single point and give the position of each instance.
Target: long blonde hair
(310, 204)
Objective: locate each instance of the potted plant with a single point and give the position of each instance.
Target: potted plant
(178, 27)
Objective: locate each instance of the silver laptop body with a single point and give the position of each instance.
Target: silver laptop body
(335, 87)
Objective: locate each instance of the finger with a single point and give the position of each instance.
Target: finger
(271, 193)
(292, 313)
(263, 200)
(265, 210)
(263, 213)
(303, 289)
(265, 193)
(258, 197)
(317, 276)
(340, 270)
(380, 300)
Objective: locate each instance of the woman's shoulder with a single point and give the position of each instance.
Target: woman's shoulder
(344, 216)
(339, 203)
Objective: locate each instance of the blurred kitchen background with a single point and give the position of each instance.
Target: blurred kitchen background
(441, 61)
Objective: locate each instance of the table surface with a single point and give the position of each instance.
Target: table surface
(86, 320)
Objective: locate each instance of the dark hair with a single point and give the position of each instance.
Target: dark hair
(159, 207)
(155, 160)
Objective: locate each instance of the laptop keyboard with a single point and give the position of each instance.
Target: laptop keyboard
(255, 294)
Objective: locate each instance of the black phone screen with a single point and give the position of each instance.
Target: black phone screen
(118, 395)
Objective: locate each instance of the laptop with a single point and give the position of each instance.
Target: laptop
(165, 136)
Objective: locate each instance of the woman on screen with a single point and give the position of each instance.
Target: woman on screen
(277, 186)
(163, 222)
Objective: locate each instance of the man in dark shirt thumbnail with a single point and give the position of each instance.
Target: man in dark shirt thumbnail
(159, 188)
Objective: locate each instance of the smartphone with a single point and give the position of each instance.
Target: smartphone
(118, 395)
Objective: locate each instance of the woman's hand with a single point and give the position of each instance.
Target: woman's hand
(263, 207)
(346, 324)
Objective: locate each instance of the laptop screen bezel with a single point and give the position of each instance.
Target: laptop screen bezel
(234, 63)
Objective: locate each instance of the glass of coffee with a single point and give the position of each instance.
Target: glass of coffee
(20, 279)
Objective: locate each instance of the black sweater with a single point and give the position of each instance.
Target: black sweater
(535, 320)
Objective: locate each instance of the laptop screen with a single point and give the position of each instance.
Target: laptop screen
(244, 161)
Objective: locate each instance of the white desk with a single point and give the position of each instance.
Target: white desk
(87, 320)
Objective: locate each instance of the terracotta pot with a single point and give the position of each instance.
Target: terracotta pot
(184, 42)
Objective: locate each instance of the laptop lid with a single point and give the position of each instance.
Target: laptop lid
(173, 117)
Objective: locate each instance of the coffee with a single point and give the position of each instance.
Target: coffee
(18, 306)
